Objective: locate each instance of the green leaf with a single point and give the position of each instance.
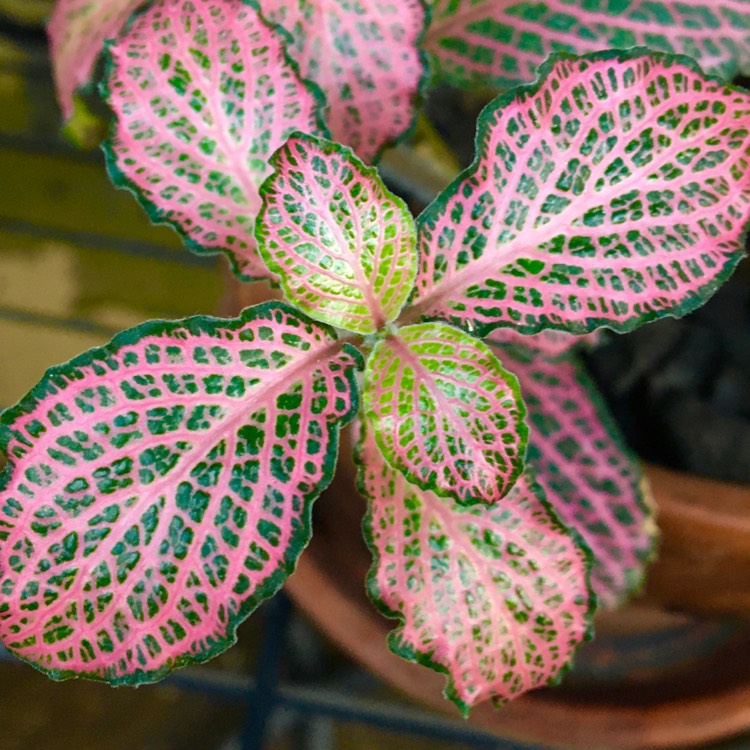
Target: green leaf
(341, 244)
(614, 191)
(77, 31)
(203, 93)
(366, 58)
(445, 412)
(503, 42)
(592, 480)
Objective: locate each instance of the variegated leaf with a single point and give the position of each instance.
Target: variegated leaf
(591, 479)
(159, 488)
(77, 30)
(342, 245)
(496, 597)
(549, 342)
(203, 94)
(503, 42)
(614, 191)
(365, 56)
(445, 412)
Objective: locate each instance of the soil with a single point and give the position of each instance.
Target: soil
(680, 387)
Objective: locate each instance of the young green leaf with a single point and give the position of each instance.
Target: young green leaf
(591, 479)
(503, 42)
(365, 57)
(159, 488)
(613, 191)
(342, 245)
(203, 94)
(445, 412)
(77, 30)
(495, 597)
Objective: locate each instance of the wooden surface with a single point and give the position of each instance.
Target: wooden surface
(79, 259)
(26, 11)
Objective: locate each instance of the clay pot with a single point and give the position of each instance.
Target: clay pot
(704, 560)
(650, 679)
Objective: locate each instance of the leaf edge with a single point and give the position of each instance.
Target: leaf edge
(504, 99)
(369, 171)
(425, 659)
(523, 426)
(121, 181)
(299, 541)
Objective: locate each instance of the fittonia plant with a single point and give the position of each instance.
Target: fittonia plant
(502, 42)
(159, 488)
(363, 55)
(366, 55)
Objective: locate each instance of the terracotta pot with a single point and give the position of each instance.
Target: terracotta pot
(651, 679)
(704, 561)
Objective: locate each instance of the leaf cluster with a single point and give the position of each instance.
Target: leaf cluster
(159, 488)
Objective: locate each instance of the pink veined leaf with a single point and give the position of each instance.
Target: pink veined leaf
(551, 343)
(613, 191)
(495, 597)
(591, 479)
(203, 94)
(365, 57)
(77, 30)
(342, 245)
(159, 488)
(503, 42)
(445, 412)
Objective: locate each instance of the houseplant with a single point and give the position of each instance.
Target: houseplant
(326, 154)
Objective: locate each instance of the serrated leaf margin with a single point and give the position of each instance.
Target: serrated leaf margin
(425, 659)
(298, 542)
(368, 172)
(121, 180)
(482, 125)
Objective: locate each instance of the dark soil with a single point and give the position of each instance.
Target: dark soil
(680, 388)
